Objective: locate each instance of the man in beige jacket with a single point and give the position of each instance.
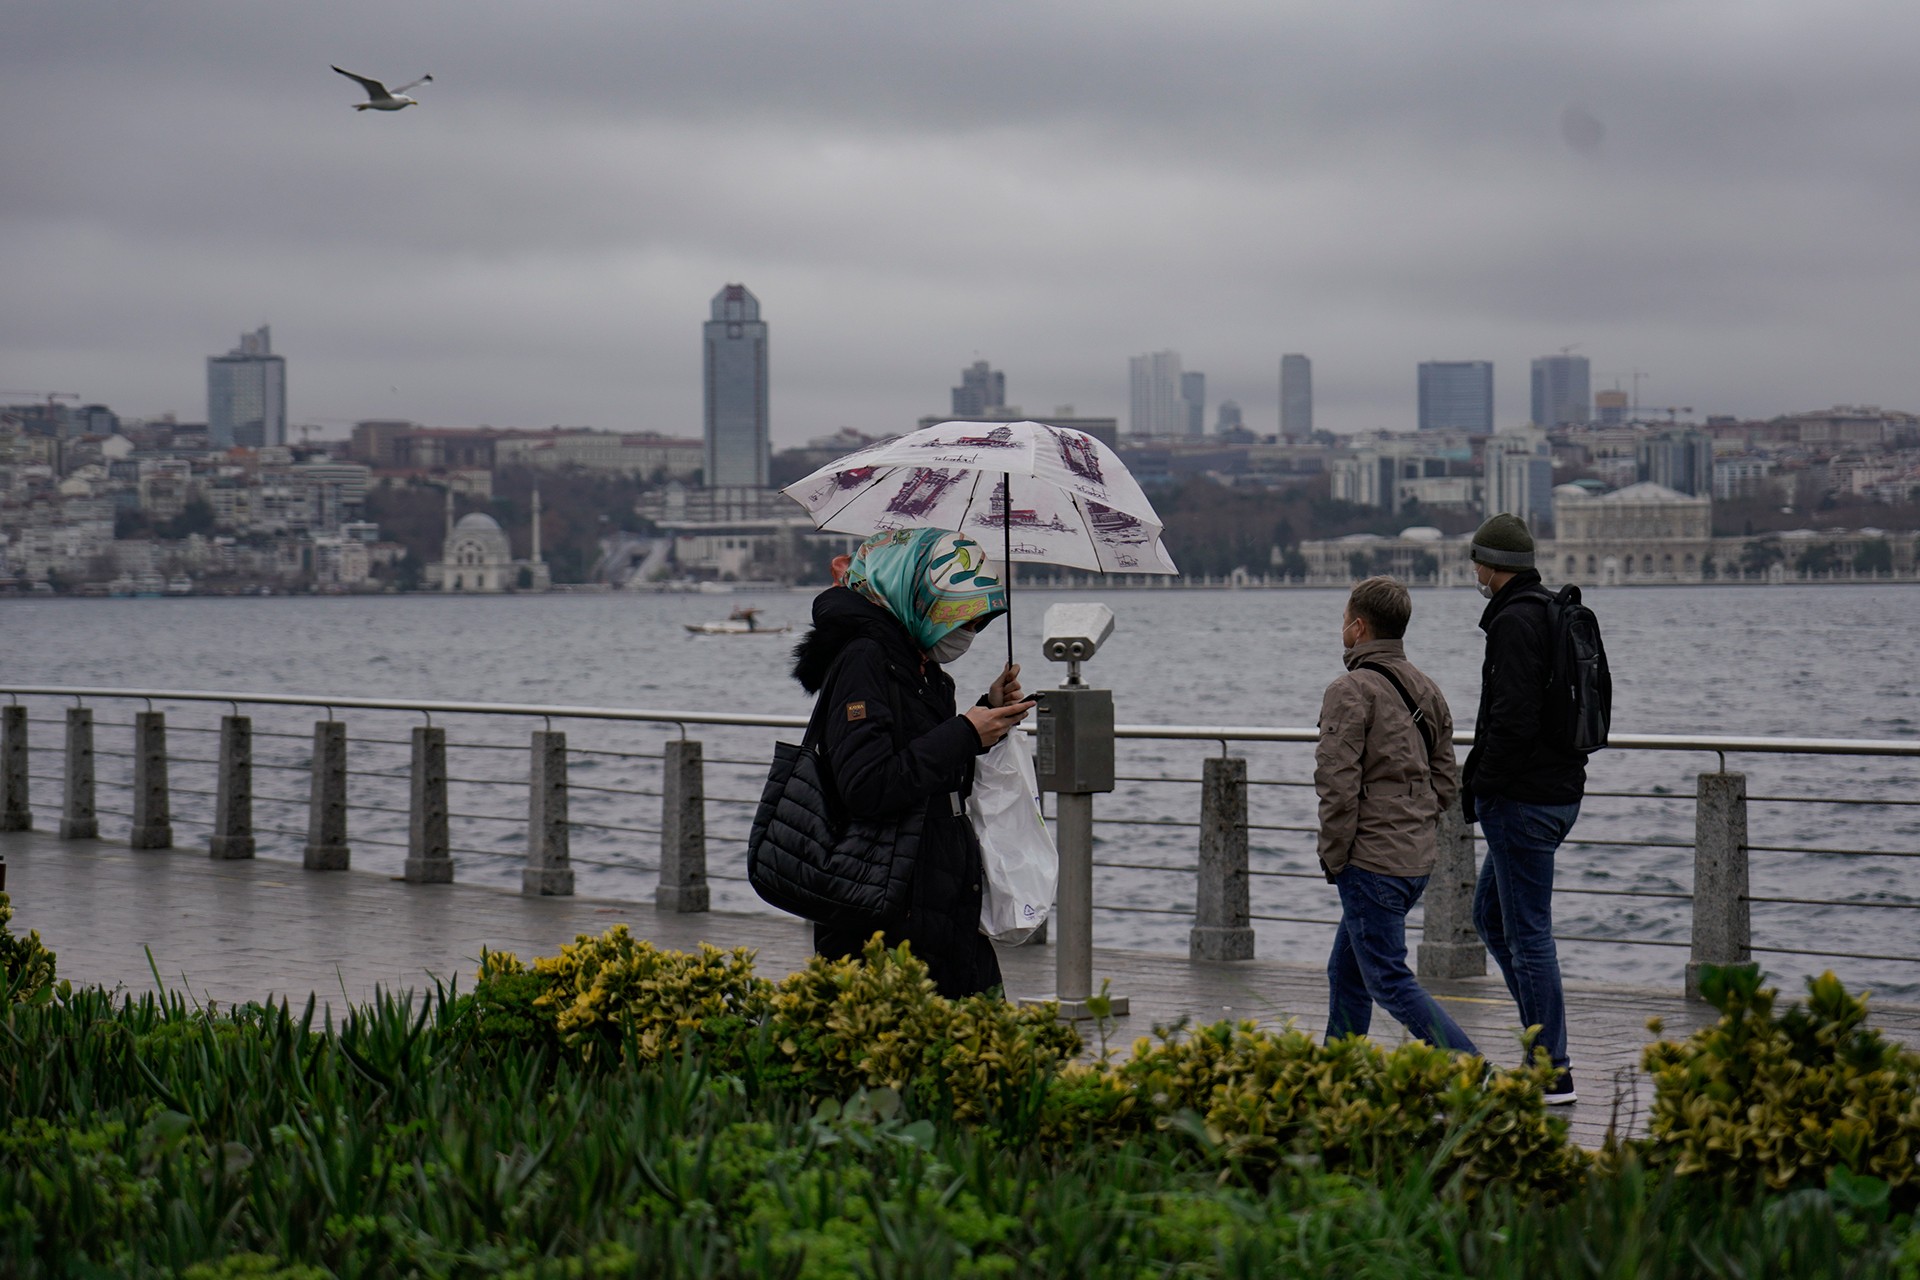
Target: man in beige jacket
(1385, 772)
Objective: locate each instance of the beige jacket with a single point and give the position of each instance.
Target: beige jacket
(1380, 801)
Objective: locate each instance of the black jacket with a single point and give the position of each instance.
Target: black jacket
(893, 739)
(1511, 756)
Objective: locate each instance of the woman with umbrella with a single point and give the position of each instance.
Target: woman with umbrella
(913, 600)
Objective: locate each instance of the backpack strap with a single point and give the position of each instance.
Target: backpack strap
(1413, 708)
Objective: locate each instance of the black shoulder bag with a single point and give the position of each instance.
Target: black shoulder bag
(807, 856)
(1413, 708)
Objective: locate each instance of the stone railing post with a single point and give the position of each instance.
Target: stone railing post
(152, 814)
(429, 860)
(683, 829)
(1221, 930)
(548, 873)
(233, 791)
(327, 848)
(79, 820)
(16, 805)
(1449, 945)
(1722, 934)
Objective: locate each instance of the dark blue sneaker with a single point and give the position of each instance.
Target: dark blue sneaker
(1560, 1093)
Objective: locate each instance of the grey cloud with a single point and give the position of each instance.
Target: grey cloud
(1056, 187)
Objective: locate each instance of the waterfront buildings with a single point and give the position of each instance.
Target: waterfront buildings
(981, 388)
(1296, 398)
(477, 558)
(247, 394)
(1456, 395)
(1644, 532)
(737, 422)
(1561, 391)
(1156, 408)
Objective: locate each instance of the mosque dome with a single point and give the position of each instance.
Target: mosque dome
(477, 522)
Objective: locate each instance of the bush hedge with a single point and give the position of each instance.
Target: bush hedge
(617, 1110)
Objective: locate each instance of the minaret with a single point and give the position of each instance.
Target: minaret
(536, 526)
(449, 513)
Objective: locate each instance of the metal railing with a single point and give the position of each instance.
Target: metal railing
(1237, 864)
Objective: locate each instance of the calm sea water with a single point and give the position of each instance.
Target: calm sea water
(1799, 661)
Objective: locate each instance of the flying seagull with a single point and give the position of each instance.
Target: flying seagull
(378, 97)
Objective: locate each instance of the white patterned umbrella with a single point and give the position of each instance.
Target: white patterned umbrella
(1055, 496)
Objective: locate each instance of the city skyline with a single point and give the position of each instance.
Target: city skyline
(1674, 194)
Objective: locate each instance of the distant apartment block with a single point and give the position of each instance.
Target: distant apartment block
(738, 430)
(1229, 418)
(1456, 395)
(247, 394)
(1296, 398)
(1158, 410)
(980, 389)
(1561, 391)
(1610, 408)
(1518, 473)
(1678, 460)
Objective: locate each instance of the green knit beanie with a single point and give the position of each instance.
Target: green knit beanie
(1503, 542)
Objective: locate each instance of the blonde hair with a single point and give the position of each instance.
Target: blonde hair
(1382, 604)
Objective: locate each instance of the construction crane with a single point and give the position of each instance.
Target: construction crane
(52, 410)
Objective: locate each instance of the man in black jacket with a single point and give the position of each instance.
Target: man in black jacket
(1523, 788)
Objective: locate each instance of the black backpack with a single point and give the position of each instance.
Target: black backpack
(1579, 705)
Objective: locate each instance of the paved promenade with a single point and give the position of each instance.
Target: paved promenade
(249, 930)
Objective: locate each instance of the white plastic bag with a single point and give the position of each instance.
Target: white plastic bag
(1022, 866)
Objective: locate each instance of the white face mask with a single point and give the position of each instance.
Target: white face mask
(951, 645)
(1486, 591)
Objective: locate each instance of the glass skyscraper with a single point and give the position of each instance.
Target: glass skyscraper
(737, 435)
(247, 394)
(1561, 391)
(1296, 397)
(1457, 395)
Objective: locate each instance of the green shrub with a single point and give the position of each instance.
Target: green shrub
(1257, 1097)
(1780, 1101)
(26, 966)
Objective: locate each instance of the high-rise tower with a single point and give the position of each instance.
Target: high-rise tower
(1457, 395)
(981, 388)
(247, 394)
(1296, 398)
(737, 433)
(1157, 406)
(1561, 391)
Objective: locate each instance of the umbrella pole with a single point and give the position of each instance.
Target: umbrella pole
(1006, 549)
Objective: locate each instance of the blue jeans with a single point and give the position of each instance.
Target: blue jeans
(1369, 962)
(1513, 909)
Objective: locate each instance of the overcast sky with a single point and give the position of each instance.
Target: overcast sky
(1722, 194)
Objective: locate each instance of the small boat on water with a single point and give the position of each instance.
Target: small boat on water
(743, 621)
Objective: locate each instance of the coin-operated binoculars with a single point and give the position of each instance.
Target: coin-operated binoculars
(1073, 756)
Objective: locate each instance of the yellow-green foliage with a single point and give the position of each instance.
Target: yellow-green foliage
(26, 966)
(621, 994)
(1779, 1100)
(835, 1027)
(1257, 1096)
(877, 1021)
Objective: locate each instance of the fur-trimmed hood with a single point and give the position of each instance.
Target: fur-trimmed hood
(839, 618)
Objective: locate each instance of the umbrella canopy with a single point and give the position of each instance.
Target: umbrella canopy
(1043, 494)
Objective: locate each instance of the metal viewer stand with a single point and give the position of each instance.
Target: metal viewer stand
(1073, 756)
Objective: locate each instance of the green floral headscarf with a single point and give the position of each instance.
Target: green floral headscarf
(933, 580)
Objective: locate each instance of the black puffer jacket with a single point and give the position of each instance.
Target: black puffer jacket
(1511, 754)
(893, 739)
